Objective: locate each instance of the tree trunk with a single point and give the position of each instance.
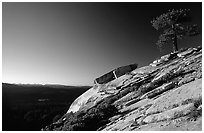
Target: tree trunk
(175, 46)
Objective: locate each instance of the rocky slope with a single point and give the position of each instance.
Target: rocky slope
(166, 95)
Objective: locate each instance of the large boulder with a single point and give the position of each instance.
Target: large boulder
(118, 72)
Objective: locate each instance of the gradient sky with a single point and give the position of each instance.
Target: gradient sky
(74, 43)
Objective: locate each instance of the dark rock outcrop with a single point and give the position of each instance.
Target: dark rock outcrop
(114, 74)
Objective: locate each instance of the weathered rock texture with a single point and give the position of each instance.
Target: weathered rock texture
(166, 95)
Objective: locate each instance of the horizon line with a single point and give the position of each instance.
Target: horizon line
(43, 84)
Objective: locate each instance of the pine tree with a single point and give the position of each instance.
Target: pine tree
(174, 26)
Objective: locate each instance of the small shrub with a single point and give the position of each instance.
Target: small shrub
(56, 118)
(195, 114)
(178, 114)
(175, 105)
(197, 102)
(187, 101)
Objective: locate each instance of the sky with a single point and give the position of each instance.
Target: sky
(74, 43)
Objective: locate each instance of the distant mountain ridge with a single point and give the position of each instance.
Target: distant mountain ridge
(46, 85)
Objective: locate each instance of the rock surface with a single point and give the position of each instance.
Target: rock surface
(164, 96)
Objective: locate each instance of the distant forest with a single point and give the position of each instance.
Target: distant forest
(32, 107)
